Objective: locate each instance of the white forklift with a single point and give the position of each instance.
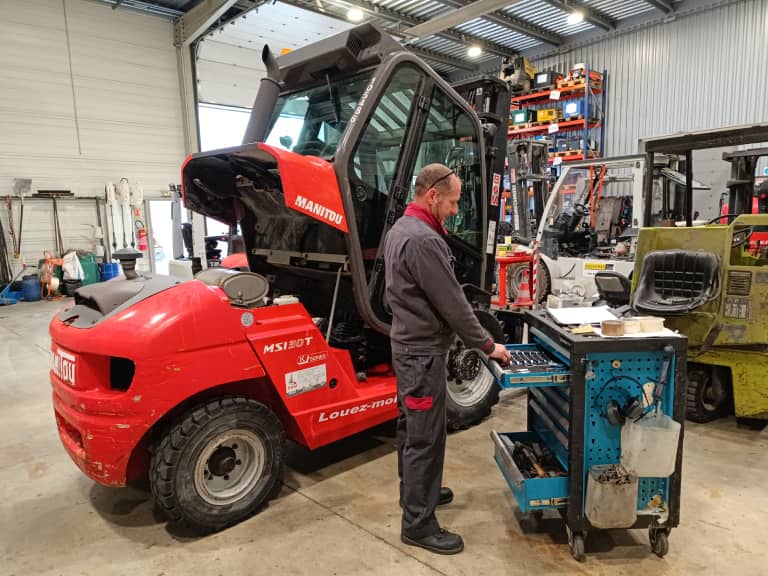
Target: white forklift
(589, 224)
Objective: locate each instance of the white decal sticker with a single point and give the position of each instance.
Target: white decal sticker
(336, 414)
(246, 319)
(311, 358)
(491, 242)
(318, 210)
(287, 345)
(495, 189)
(64, 366)
(305, 380)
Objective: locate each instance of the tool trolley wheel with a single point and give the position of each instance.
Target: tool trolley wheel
(576, 544)
(659, 538)
(218, 463)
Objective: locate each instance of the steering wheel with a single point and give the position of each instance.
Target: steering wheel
(741, 236)
(581, 209)
(717, 219)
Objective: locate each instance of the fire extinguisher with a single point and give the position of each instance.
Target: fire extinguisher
(142, 234)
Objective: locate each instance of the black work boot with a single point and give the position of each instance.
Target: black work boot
(443, 542)
(446, 496)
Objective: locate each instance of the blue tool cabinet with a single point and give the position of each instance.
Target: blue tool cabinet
(569, 402)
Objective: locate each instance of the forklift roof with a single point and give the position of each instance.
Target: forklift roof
(343, 53)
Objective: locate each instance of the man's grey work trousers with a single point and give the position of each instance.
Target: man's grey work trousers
(421, 431)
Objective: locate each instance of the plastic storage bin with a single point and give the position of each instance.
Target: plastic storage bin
(649, 446)
(30, 288)
(611, 503)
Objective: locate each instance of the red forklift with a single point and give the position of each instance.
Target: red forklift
(198, 384)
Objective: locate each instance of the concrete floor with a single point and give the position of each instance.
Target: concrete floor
(337, 512)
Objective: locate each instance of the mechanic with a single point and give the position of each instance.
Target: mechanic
(428, 306)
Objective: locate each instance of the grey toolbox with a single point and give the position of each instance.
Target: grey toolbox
(584, 393)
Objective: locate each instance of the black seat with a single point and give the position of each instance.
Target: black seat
(674, 282)
(613, 288)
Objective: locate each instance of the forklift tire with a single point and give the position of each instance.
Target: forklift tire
(704, 402)
(218, 464)
(470, 399)
(514, 277)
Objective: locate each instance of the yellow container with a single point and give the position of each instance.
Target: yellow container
(547, 114)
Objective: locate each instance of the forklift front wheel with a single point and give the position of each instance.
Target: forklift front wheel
(706, 396)
(472, 390)
(219, 463)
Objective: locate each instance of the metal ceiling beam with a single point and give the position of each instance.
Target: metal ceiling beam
(515, 24)
(662, 5)
(196, 21)
(441, 58)
(591, 15)
(455, 17)
(398, 17)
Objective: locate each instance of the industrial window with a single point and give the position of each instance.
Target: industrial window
(451, 138)
(376, 158)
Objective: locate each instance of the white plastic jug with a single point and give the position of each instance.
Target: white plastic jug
(649, 446)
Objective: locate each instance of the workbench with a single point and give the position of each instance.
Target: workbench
(577, 388)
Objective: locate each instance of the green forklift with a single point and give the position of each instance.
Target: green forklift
(710, 281)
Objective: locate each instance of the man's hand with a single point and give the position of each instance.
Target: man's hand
(501, 354)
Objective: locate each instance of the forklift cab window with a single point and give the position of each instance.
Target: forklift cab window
(377, 155)
(451, 138)
(311, 121)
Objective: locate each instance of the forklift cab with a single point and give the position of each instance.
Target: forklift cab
(338, 133)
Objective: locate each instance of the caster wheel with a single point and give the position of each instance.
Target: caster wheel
(576, 544)
(659, 542)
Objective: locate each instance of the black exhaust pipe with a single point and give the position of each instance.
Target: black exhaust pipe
(269, 90)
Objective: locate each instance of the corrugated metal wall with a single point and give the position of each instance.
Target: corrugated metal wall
(707, 70)
(86, 98)
(87, 94)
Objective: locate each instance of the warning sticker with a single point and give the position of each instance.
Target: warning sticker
(495, 189)
(737, 308)
(592, 267)
(305, 380)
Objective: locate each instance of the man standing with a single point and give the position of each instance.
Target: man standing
(428, 306)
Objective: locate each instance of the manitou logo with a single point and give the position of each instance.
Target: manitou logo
(357, 409)
(64, 366)
(318, 210)
(287, 345)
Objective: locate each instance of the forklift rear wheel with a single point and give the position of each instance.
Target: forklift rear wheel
(515, 277)
(472, 390)
(707, 397)
(219, 463)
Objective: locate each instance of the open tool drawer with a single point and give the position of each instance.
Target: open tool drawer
(531, 366)
(532, 493)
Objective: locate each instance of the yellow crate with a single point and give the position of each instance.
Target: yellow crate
(547, 114)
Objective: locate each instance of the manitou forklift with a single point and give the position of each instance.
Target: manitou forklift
(198, 384)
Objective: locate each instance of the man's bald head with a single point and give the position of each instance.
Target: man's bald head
(437, 176)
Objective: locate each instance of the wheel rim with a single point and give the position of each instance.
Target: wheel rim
(229, 466)
(468, 379)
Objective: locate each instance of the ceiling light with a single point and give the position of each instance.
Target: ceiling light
(355, 15)
(575, 17)
(474, 51)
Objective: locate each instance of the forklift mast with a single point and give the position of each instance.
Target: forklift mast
(338, 132)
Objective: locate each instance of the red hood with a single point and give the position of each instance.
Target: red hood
(310, 186)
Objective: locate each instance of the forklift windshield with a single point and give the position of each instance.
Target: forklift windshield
(311, 121)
